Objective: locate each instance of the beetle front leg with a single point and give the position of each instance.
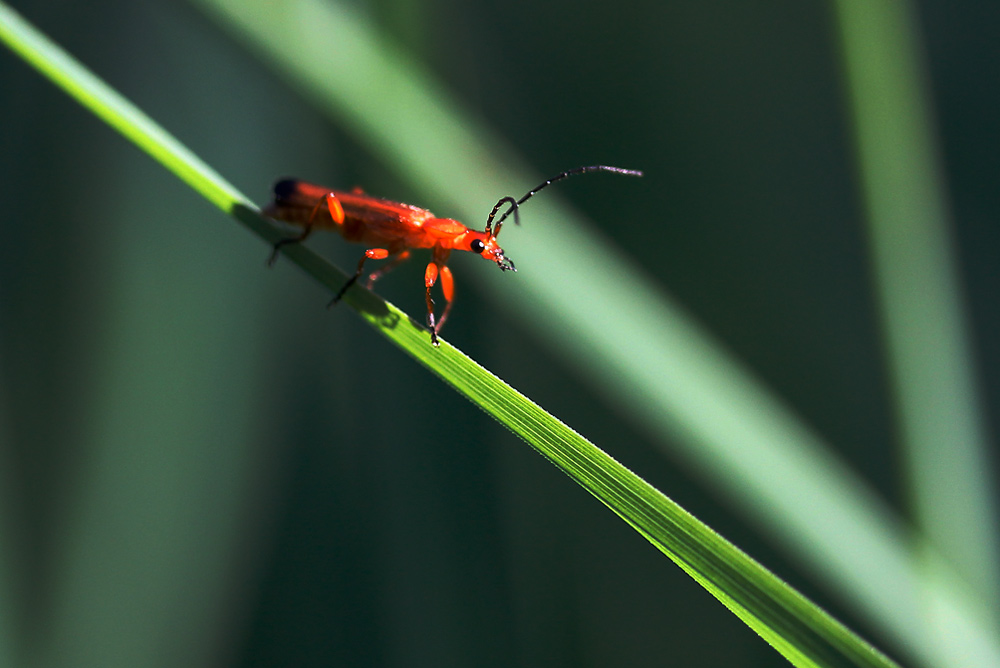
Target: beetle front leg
(431, 275)
(448, 289)
(430, 278)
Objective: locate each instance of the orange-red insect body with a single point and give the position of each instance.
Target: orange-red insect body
(393, 229)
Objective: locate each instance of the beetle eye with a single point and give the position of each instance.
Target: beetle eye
(477, 246)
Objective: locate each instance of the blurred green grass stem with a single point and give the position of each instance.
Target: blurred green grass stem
(946, 451)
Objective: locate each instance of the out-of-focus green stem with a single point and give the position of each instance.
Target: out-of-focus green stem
(919, 294)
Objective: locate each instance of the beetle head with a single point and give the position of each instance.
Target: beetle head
(485, 244)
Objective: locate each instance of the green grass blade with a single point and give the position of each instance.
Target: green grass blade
(693, 394)
(923, 316)
(797, 628)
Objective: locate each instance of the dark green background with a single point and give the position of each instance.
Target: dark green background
(297, 491)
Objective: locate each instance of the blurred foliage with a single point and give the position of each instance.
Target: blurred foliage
(304, 495)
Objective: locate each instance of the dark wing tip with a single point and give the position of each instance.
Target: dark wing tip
(285, 190)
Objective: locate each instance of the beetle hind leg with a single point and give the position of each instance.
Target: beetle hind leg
(276, 248)
(330, 202)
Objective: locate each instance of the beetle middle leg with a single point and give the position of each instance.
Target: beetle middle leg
(386, 268)
(370, 254)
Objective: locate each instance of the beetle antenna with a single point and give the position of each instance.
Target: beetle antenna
(559, 177)
(496, 207)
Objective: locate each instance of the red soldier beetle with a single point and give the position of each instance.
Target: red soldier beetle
(393, 229)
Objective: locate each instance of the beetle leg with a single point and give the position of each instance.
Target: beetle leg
(370, 254)
(332, 205)
(431, 275)
(448, 288)
(430, 278)
(386, 268)
(284, 242)
(336, 213)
